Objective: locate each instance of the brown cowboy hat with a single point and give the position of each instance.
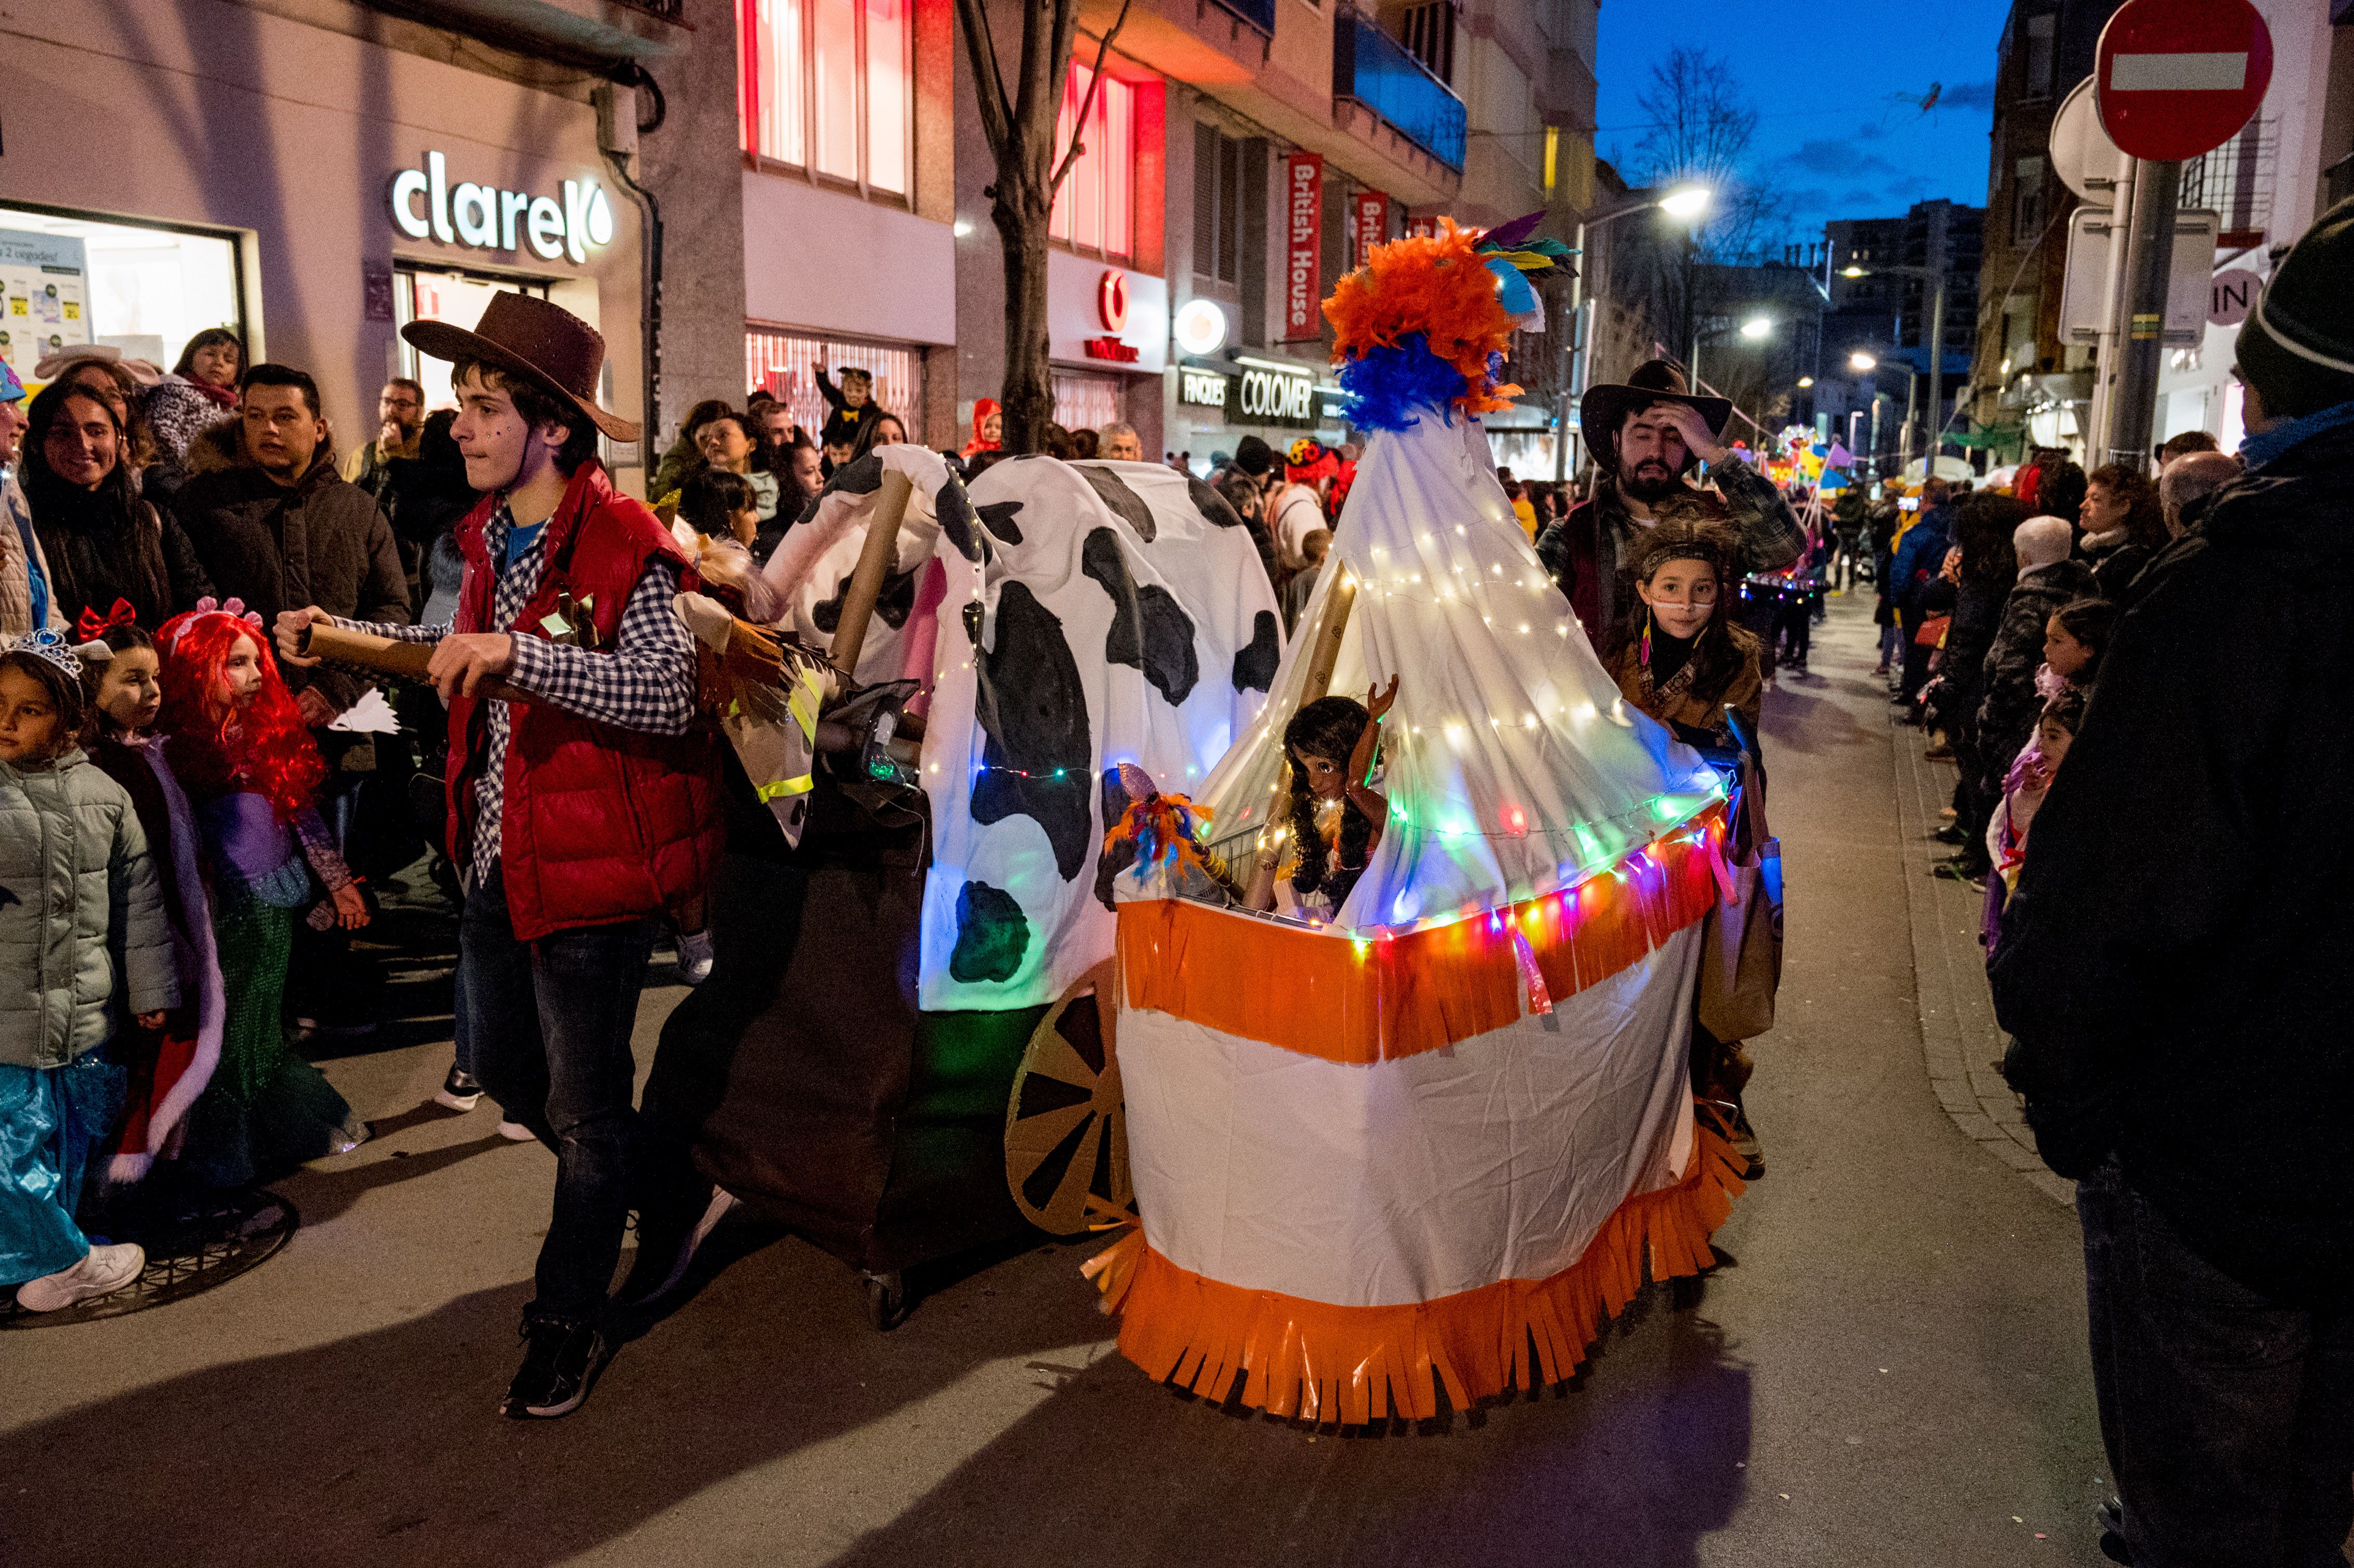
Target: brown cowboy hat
(1604, 409)
(525, 335)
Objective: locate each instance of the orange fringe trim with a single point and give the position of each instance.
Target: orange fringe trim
(1376, 999)
(1354, 1364)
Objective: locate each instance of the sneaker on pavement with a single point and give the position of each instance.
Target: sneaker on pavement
(515, 1132)
(459, 1091)
(694, 956)
(665, 1252)
(559, 1362)
(103, 1270)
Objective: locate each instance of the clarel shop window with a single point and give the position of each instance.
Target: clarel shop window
(826, 86)
(68, 280)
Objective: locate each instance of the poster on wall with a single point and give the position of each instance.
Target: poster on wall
(44, 297)
(1303, 232)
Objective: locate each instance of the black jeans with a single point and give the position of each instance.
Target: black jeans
(548, 1023)
(2228, 1418)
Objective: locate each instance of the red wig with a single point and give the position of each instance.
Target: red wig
(263, 747)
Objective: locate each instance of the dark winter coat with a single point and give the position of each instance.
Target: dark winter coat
(1590, 552)
(95, 559)
(2010, 706)
(2174, 963)
(1978, 610)
(321, 541)
(1920, 557)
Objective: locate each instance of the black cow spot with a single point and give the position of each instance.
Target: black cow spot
(1038, 758)
(954, 509)
(864, 477)
(1125, 503)
(1120, 857)
(992, 934)
(1254, 663)
(894, 604)
(1149, 629)
(997, 516)
(1211, 504)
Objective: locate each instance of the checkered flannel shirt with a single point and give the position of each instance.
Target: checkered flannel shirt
(646, 684)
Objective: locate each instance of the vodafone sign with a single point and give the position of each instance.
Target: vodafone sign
(2179, 78)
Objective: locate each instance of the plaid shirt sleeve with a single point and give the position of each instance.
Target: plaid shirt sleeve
(397, 630)
(646, 684)
(1771, 536)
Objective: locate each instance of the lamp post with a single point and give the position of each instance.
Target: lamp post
(1685, 201)
(1936, 276)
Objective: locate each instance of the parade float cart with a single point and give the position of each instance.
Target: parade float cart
(1436, 1139)
(895, 924)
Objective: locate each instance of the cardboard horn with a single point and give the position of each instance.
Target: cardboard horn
(874, 564)
(385, 656)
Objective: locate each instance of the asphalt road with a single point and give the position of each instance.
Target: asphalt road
(1893, 1373)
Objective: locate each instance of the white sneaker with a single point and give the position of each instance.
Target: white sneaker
(515, 1132)
(694, 956)
(102, 1271)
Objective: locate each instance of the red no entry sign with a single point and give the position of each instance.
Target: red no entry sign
(2179, 78)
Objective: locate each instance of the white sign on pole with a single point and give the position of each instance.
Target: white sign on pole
(2089, 236)
(2231, 296)
(2084, 157)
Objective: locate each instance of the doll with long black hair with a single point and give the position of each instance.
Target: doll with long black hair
(1337, 816)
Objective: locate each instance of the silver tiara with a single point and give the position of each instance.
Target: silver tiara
(67, 656)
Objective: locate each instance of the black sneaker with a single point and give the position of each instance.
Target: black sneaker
(459, 1091)
(560, 1363)
(666, 1247)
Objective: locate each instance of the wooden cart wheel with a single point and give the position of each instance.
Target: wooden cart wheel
(1066, 1136)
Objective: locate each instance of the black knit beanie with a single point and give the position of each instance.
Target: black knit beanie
(2297, 348)
(1254, 456)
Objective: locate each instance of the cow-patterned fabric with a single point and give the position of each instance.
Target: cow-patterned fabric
(1122, 617)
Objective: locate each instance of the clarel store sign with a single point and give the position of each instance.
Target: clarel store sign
(426, 206)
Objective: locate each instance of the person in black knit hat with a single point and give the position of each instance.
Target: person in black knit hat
(2173, 967)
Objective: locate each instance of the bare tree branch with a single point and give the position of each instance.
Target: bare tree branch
(981, 45)
(1078, 125)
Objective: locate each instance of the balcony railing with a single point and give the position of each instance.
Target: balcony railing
(1259, 14)
(1374, 69)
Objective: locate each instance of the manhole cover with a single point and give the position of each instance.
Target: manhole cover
(206, 1239)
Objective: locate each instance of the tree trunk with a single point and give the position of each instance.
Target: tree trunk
(1028, 392)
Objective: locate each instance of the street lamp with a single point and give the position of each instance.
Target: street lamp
(1937, 357)
(1861, 361)
(1755, 327)
(1805, 382)
(1685, 202)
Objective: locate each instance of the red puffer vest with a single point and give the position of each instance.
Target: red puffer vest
(599, 824)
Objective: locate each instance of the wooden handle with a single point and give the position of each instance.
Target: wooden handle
(389, 656)
(1323, 654)
(874, 564)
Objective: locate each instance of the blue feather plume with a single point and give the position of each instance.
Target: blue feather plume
(1388, 389)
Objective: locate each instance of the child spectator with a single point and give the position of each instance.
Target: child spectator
(1682, 661)
(2024, 788)
(70, 839)
(169, 1065)
(251, 770)
(988, 428)
(849, 403)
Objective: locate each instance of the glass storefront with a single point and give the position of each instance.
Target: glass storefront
(145, 291)
(784, 360)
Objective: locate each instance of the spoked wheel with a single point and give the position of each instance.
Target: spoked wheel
(887, 1299)
(1065, 1134)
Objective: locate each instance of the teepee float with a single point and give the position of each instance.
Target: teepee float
(1437, 1133)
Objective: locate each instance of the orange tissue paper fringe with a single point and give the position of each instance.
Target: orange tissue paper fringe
(1315, 1362)
(1435, 285)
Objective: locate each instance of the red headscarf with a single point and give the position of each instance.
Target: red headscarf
(982, 409)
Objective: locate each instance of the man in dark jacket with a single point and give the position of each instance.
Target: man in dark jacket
(1647, 434)
(1914, 577)
(282, 529)
(2174, 966)
(2009, 703)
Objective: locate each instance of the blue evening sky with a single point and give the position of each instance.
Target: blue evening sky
(1837, 86)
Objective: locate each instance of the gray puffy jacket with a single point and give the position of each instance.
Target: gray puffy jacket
(76, 887)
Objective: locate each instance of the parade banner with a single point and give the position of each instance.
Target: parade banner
(1303, 207)
(1372, 211)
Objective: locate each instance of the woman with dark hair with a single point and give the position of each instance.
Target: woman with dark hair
(685, 454)
(2124, 525)
(125, 392)
(102, 540)
(201, 391)
(883, 430)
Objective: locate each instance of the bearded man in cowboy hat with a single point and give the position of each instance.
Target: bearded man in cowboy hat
(1647, 434)
(584, 802)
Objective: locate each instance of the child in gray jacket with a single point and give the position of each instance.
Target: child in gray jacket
(76, 889)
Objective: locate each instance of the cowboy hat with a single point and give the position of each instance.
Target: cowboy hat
(525, 335)
(1604, 409)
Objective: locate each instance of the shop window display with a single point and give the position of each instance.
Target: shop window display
(146, 290)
